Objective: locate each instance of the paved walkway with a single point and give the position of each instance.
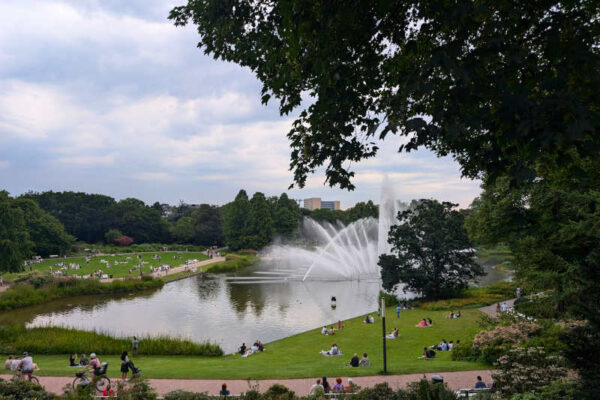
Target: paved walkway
(455, 380)
(491, 309)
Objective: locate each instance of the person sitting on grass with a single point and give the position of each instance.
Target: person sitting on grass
(450, 345)
(331, 331)
(451, 315)
(429, 322)
(334, 351)
(339, 386)
(354, 361)
(72, 360)
(367, 320)
(480, 384)
(457, 315)
(224, 391)
(324, 331)
(428, 354)
(364, 361)
(243, 349)
(83, 361)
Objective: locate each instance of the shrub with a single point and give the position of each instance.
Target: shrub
(22, 389)
(426, 390)
(124, 241)
(24, 295)
(523, 370)
(279, 392)
(516, 332)
(537, 306)
(184, 395)
(377, 392)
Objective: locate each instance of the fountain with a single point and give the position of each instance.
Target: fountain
(342, 252)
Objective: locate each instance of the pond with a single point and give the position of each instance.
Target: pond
(214, 308)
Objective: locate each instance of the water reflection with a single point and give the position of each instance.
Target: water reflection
(210, 308)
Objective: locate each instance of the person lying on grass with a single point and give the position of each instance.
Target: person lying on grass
(334, 351)
(395, 333)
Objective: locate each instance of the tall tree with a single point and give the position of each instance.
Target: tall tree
(184, 230)
(15, 245)
(207, 224)
(235, 217)
(497, 84)
(46, 232)
(432, 253)
(260, 222)
(285, 216)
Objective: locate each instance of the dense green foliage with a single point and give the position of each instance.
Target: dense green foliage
(25, 295)
(55, 340)
(207, 225)
(252, 223)
(14, 240)
(512, 81)
(431, 251)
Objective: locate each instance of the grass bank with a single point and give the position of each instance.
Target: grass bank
(298, 356)
(25, 295)
(233, 263)
(54, 340)
(473, 297)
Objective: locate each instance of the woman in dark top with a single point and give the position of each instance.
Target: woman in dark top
(326, 387)
(72, 360)
(124, 365)
(224, 391)
(354, 361)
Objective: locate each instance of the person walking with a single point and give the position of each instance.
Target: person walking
(398, 308)
(134, 347)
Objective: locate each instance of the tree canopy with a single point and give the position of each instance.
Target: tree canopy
(15, 245)
(496, 84)
(431, 252)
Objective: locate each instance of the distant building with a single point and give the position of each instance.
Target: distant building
(332, 205)
(315, 203)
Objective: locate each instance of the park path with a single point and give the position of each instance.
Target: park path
(491, 309)
(455, 380)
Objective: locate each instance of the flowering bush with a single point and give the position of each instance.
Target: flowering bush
(516, 332)
(523, 370)
(124, 240)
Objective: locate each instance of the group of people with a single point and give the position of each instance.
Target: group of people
(24, 365)
(425, 323)
(322, 386)
(334, 351)
(369, 319)
(255, 348)
(83, 361)
(444, 345)
(453, 315)
(363, 362)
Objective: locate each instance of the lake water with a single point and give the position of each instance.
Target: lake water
(213, 308)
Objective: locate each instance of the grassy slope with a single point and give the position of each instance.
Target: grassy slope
(118, 270)
(298, 356)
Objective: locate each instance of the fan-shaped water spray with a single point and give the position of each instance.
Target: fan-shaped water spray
(341, 252)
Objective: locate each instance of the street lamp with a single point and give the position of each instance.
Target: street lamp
(383, 326)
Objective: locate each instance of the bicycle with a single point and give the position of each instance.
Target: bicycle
(101, 380)
(29, 377)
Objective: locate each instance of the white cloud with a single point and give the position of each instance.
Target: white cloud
(153, 176)
(89, 160)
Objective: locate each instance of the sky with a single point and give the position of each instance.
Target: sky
(107, 96)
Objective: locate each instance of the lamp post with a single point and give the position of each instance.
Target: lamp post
(383, 326)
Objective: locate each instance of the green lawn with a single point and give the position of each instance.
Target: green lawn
(298, 356)
(126, 262)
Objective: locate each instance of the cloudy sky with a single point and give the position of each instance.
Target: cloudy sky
(107, 96)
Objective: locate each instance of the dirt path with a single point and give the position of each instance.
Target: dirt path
(175, 270)
(491, 310)
(455, 380)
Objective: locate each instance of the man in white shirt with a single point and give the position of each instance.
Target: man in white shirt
(317, 388)
(26, 364)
